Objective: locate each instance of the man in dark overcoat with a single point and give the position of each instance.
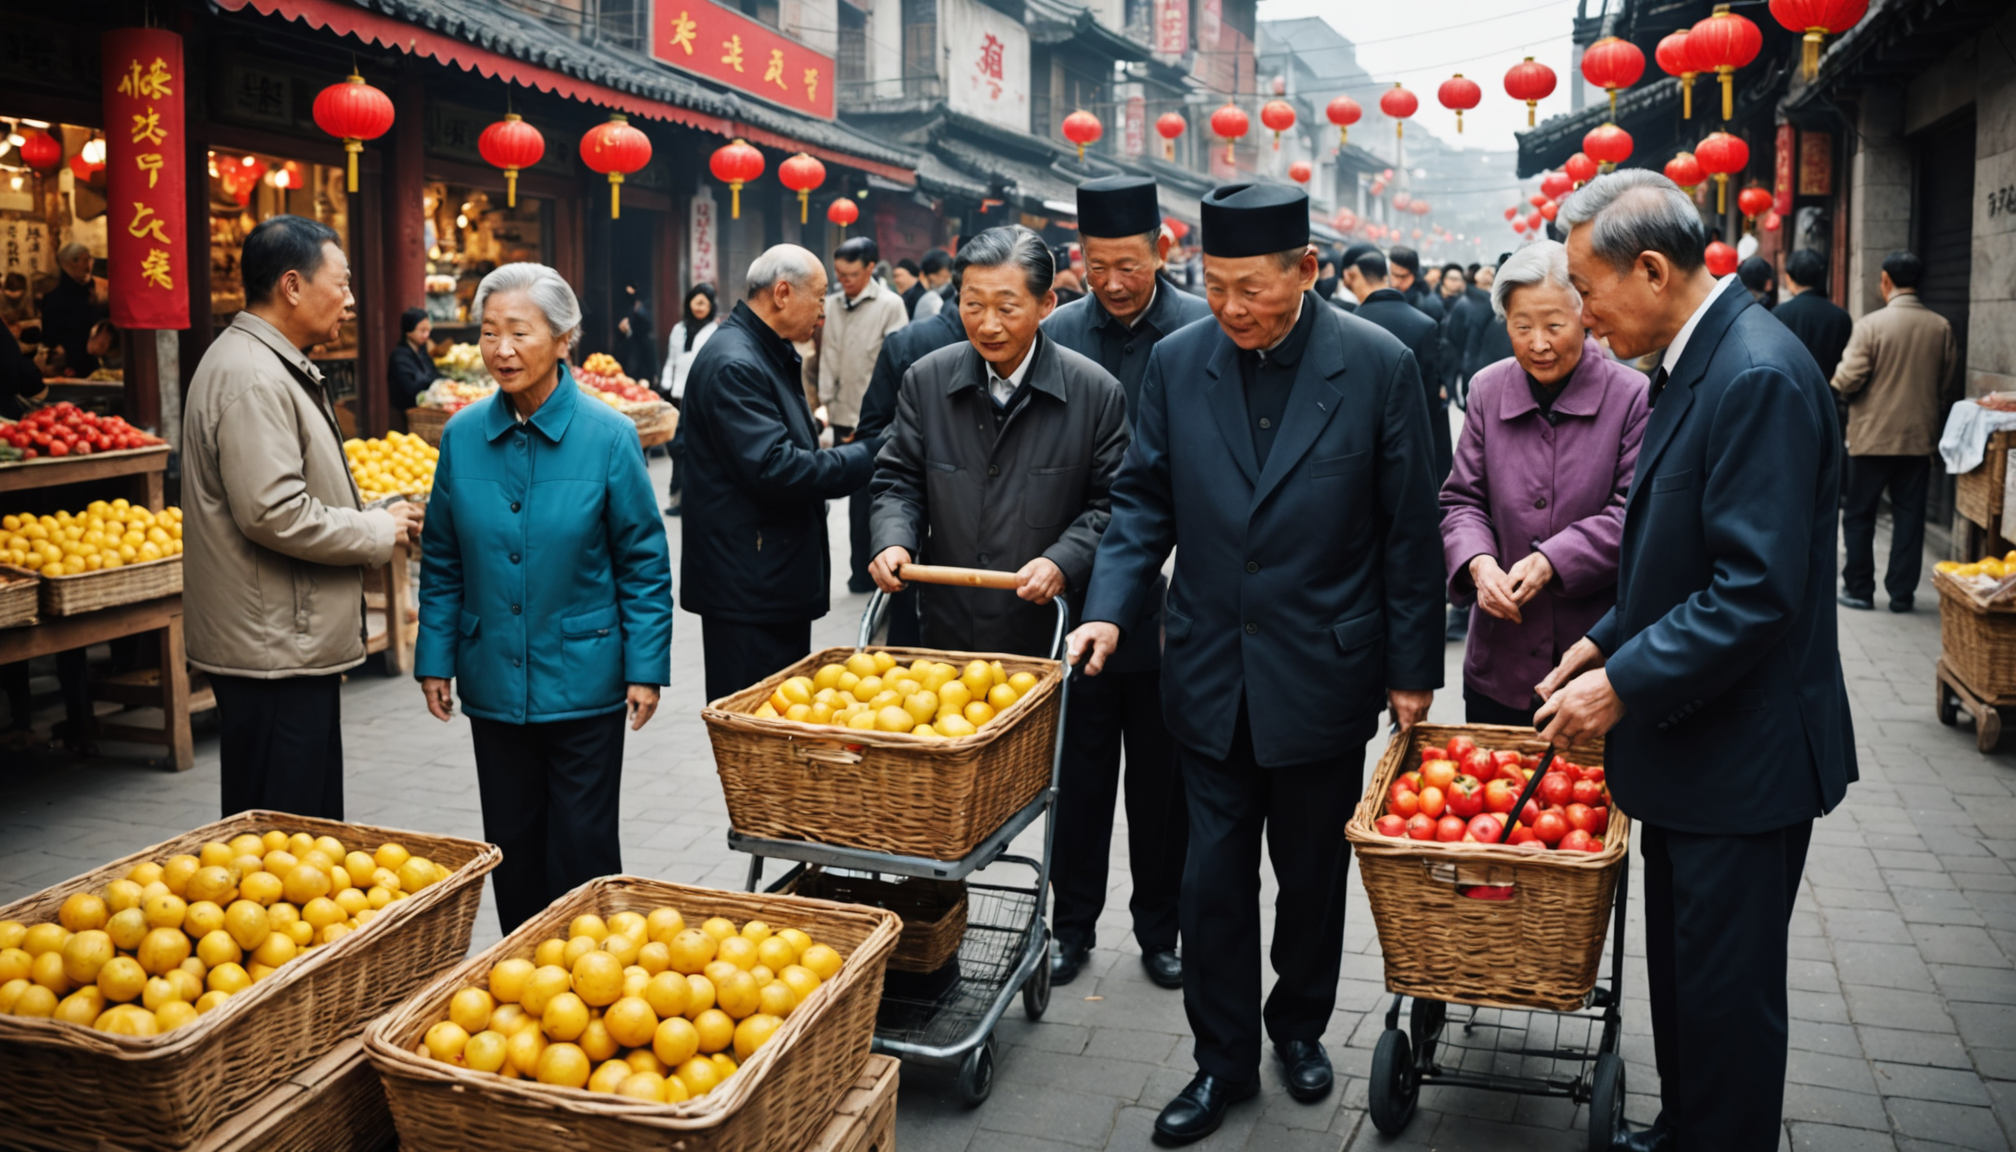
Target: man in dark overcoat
(1382, 304)
(1287, 447)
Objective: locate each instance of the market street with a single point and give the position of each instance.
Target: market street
(1904, 944)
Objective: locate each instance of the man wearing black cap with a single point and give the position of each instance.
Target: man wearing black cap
(1287, 447)
(1405, 270)
(1129, 308)
(1369, 278)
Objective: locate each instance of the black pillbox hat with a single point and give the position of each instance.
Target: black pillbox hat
(1254, 219)
(1115, 206)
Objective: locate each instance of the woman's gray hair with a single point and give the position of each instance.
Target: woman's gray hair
(787, 262)
(548, 290)
(71, 251)
(1637, 210)
(1541, 262)
(1010, 244)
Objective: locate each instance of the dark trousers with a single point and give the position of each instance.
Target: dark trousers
(1906, 478)
(677, 450)
(1107, 711)
(550, 794)
(737, 655)
(1481, 709)
(858, 540)
(280, 744)
(1302, 810)
(1445, 448)
(1717, 912)
(906, 627)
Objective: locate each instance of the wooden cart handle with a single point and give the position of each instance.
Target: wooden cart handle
(964, 577)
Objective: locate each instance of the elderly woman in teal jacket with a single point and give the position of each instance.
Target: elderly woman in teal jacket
(546, 591)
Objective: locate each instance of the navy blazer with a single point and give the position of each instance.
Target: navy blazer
(1723, 642)
(1311, 586)
(901, 349)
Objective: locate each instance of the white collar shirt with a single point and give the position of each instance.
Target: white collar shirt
(1679, 345)
(1001, 388)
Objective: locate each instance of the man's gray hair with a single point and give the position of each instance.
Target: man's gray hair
(1541, 262)
(71, 251)
(1635, 210)
(1009, 244)
(548, 290)
(787, 262)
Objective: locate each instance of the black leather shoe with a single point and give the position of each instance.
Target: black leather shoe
(1859, 603)
(1657, 1138)
(1164, 967)
(1198, 1110)
(1900, 604)
(1066, 961)
(1305, 1067)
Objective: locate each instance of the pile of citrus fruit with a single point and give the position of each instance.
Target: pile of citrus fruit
(398, 463)
(639, 1005)
(173, 940)
(872, 692)
(102, 536)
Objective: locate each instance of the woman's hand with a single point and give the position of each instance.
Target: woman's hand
(1494, 589)
(643, 704)
(439, 701)
(1529, 576)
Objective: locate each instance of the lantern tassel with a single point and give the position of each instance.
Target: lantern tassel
(352, 146)
(1728, 92)
(1459, 120)
(1809, 54)
(1343, 137)
(735, 199)
(1399, 129)
(1277, 141)
(1168, 149)
(1721, 193)
(615, 195)
(804, 205)
(1686, 95)
(1613, 102)
(1081, 152)
(511, 187)
(1531, 105)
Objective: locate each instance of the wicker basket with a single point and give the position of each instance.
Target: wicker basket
(1977, 495)
(69, 1087)
(658, 427)
(1539, 949)
(334, 1105)
(780, 1099)
(110, 587)
(1978, 640)
(19, 593)
(933, 912)
(866, 1118)
(427, 423)
(884, 791)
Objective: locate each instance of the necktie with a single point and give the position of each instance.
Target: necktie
(1658, 386)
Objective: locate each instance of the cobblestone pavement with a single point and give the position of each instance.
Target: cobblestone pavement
(1904, 990)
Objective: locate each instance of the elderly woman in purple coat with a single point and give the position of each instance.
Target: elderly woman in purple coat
(1534, 509)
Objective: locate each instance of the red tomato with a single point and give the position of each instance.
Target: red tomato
(1599, 821)
(1578, 841)
(1400, 786)
(1588, 792)
(1550, 828)
(1529, 761)
(30, 454)
(1500, 796)
(1593, 774)
(1450, 829)
(1571, 771)
(1411, 779)
(1478, 763)
(1438, 773)
(83, 448)
(1392, 826)
(59, 448)
(1420, 828)
(1486, 828)
(1530, 815)
(1465, 797)
(1504, 756)
(1520, 835)
(1582, 818)
(1595, 845)
(1432, 802)
(1556, 789)
(1459, 747)
(1404, 805)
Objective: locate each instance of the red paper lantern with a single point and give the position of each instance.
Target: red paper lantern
(83, 169)
(1420, 208)
(735, 164)
(801, 174)
(1401, 200)
(1536, 223)
(615, 148)
(1170, 125)
(1580, 169)
(1753, 202)
(1612, 63)
(40, 150)
(1817, 19)
(1300, 172)
(1278, 115)
(1722, 156)
(1770, 222)
(1607, 144)
(1512, 213)
(1550, 209)
(1537, 199)
(1518, 225)
(1082, 128)
(1556, 185)
(1721, 258)
(1343, 112)
(1674, 61)
(1685, 171)
(1229, 123)
(1530, 82)
(355, 111)
(511, 144)
(1459, 94)
(1417, 233)
(843, 212)
(1398, 103)
(1721, 44)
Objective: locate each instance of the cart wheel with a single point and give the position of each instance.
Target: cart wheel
(1606, 1103)
(1425, 1020)
(976, 1074)
(1949, 704)
(1987, 729)
(1036, 989)
(1395, 1087)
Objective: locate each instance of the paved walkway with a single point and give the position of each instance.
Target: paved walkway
(1904, 970)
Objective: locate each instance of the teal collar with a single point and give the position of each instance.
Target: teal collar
(551, 419)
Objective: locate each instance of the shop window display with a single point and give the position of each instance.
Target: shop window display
(52, 195)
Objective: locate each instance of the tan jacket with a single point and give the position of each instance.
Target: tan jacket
(852, 341)
(1898, 361)
(274, 534)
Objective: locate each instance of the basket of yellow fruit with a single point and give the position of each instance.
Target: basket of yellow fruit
(17, 596)
(635, 1014)
(109, 554)
(147, 1002)
(1977, 624)
(911, 751)
(397, 465)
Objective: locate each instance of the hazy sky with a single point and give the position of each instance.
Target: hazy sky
(1422, 44)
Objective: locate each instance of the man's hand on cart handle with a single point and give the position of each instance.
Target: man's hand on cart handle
(1094, 641)
(1409, 707)
(883, 568)
(1587, 707)
(1039, 581)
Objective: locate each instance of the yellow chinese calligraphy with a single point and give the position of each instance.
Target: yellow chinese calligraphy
(776, 69)
(156, 270)
(683, 30)
(150, 163)
(734, 56)
(149, 85)
(811, 84)
(144, 227)
(147, 127)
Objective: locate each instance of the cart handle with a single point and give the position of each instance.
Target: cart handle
(1532, 786)
(958, 577)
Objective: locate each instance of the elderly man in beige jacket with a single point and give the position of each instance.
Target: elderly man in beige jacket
(860, 313)
(1893, 376)
(276, 537)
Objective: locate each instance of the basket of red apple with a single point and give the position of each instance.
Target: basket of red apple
(1467, 912)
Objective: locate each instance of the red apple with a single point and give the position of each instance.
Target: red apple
(1550, 828)
(1599, 821)
(1450, 829)
(1582, 818)
(1405, 805)
(1521, 834)
(1479, 764)
(1556, 789)
(1501, 795)
(1486, 828)
(1466, 797)
(1392, 826)
(1420, 827)
(1588, 792)
(1577, 841)
(1530, 814)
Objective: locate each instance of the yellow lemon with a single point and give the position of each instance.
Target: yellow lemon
(446, 1040)
(507, 1019)
(654, 958)
(564, 1065)
(588, 924)
(823, 961)
(159, 990)
(624, 948)
(546, 982)
(213, 853)
(323, 912)
(921, 706)
(719, 927)
(210, 1000)
(642, 1086)
(359, 866)
(977, 678)
(692, 949)
(352, 900)
(14, 965)
(827, 676)
(1002, 697)
(894, 719)
(738, 995)
(645, 1060)
(120, 895)
(847, 683)
(868, 688)
(81, 1007)
(676, 1091)
(699, 1075)
(188, 985)
(228, 977)
(699, 996)
(724, 1063)
(863, 721)
(718, 971)
(83, 912)
(954, 695)
(280, 862)
(884, 662)
(596, 1041)
(214, 883)
(776, 953)
(1000, 674)
(174, 1014)
(35, 1000)
(417, 873)
(163, 950)
(578, 947)
(550, 952)
(508, 977)
(277, 949)
(165, 911)
(675, 1041)
(739, 951)
(301, 932)
(391, 856)
(85, 953)
(485, 1051)
(801, 980)
(754, 1032)
(305, 882)
(978, 712)
(776, 999)
(262, 888)
(523, 1050)
(716, 1029)
(795, 937)
(130, 1021)
(471, 1008)
(204, 917)
(796, 690)
(954, 726)
(860, 664)
(1022, 682)
(598, 979)
(565, 1018)
(631, 1021)
(667, 994)
(246, 922)
(144, 873)
(663, 924)
(122, 979)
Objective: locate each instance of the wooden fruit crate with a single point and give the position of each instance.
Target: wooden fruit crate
(20, 591)
(866, 1118)
(110, 587)
(1977, 495)
(334, 1105)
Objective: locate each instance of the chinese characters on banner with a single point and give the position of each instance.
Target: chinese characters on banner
(1816, 164)
(729, 48)
(1134, 129)
(1787, 145)
(988, 55)
(25, 248)
(704, 257)
(146, 217)
(1172, 27)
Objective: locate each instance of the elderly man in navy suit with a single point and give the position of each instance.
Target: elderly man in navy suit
(1717, 676)
(1287, 447)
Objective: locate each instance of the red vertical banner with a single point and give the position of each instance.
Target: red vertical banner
(146, 192)
(1788, 144)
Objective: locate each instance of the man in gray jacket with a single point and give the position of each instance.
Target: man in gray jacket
(276, 535)
(1002, 455)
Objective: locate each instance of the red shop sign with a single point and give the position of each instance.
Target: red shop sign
(1788, 141)
(146, 216)
(729, 48)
